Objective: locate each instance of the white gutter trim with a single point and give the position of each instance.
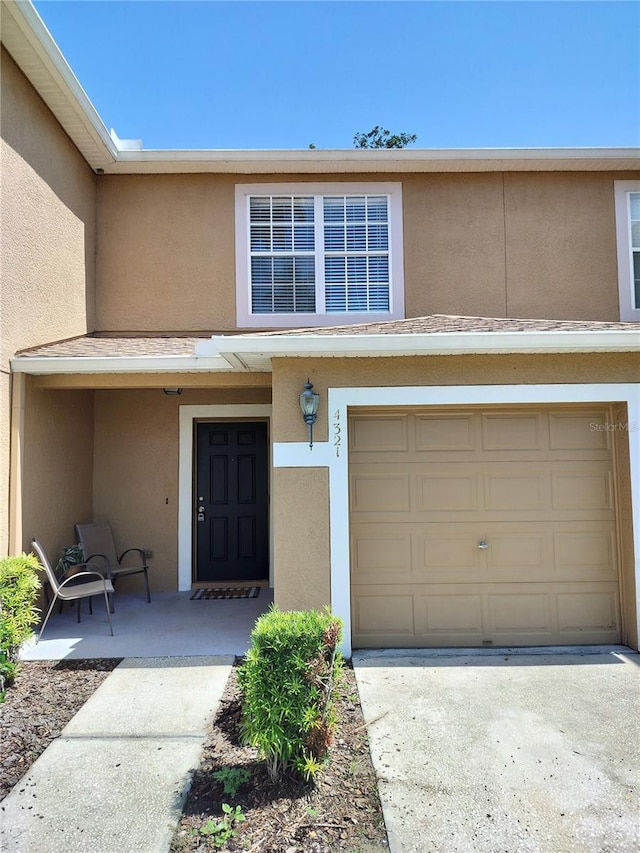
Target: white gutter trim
(45, 365)
(610, 340)
(320, 155)
(45, 47)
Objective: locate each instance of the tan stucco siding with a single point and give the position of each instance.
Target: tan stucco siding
(454, 245)
(560, 247)
(166, 252)
(301, 552)
(58, 462)
(512, 244)
(48, 197)
(290, 374)
(136, 469)
(47, 253)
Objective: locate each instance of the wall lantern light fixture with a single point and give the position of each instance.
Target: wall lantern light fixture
(309, 402)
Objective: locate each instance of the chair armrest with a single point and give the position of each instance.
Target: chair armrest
(138, 551)
(94, 575)
(106, 563)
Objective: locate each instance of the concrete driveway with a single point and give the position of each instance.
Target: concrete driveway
(505, 751)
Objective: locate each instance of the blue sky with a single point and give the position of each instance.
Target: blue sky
(207, 74)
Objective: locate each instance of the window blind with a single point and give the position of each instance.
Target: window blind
(300, 244)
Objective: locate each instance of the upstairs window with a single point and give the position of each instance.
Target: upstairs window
(627, 199)
(318, 254)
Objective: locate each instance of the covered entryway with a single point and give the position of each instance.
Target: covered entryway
(492, 526)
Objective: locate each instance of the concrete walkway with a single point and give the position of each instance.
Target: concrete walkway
(116, 778)
(505, 751)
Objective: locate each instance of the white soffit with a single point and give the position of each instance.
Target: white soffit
(254, 352)
(47, 365)
(32, 47)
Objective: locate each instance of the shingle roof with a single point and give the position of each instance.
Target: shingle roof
(118, 346)
(442, 323)
(152, 346)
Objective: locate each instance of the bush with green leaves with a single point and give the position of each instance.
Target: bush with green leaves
(19, 585)
(287, 681)
(73, 555)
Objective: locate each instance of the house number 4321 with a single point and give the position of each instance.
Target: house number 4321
(337, 432)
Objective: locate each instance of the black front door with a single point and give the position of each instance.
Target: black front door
(232, 503)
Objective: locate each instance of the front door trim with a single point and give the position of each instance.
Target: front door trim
(334, 453)
(187, 416)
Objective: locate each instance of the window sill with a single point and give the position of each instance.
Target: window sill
(303, 321)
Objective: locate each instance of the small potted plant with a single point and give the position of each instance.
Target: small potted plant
(71, 557)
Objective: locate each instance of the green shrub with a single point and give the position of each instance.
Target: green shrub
(19, 585)
(286, 682)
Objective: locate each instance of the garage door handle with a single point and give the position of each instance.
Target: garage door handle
(482, 545)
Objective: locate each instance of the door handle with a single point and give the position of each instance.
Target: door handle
(483, 545)
(201, 511)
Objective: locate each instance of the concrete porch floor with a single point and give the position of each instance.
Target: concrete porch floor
(171, 626)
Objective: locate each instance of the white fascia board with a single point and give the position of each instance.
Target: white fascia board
(39, 366)
(259, 155)
(44, 47)
(318, 161)
(448, 343)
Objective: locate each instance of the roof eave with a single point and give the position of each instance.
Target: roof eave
(353, 161)
(32, 47)
(447, 343)
(49, 365)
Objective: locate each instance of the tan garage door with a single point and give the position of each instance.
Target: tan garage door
(493, 527)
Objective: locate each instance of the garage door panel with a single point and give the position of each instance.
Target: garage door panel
(446, 552)
(516, 490)
(372, 551)
(485, 614)
(513, 431)
(379, 434)
(587, 489)
(450, 614)
(447, 492)
(588, 611)
(455, 433)
(578, 431)
(380, 492)
(520, 613)
(518, 555)
(380, 613)
(582, 555)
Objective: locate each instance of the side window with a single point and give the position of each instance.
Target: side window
(627, 200)
(318, 254)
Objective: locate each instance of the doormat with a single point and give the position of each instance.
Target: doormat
(226, 592)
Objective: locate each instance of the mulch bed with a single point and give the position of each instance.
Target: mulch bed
(340, 813)
(44, 697)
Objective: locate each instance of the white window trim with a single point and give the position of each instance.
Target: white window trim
(245, 319)
(335, 452)
(628, 312)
